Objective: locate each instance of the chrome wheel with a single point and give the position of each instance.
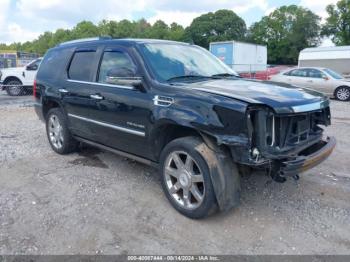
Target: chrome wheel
(55, 132)
(184, 180)
(343, 93)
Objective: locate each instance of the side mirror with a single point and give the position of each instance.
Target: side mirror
(123, 76)
(32, 67)
(325, 78)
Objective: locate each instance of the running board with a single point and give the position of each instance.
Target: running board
(118, 152)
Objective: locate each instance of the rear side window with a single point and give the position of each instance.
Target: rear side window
(114, 60)
(81, 66)
(299, 73)
(53, 64)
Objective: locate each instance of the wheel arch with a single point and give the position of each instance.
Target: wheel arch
(48, 104)
(10, 78)
(335, 90)
(168, 132)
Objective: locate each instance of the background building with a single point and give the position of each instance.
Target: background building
(10, 58)
(336, 58)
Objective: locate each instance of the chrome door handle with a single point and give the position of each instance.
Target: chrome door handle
(97, 97)
(309, 81)
(63, 91)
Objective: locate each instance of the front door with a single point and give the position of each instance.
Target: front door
(121, 112)
(318, 81)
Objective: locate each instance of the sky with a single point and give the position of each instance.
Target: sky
(23, 20)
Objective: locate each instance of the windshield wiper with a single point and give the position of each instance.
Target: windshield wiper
(184, 77)
(226, 75)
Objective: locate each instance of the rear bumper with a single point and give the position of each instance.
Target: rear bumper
(309, 158)
(39, 111)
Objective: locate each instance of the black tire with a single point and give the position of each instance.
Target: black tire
(68, 143)
(17, 88)
(342, 93)
(190, 146)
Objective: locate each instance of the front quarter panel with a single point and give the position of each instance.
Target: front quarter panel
(219, 117)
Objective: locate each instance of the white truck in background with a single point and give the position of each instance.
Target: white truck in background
(19, 80)
(241, 57)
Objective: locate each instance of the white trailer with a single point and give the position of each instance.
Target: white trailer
(242, 57)
(336, 58)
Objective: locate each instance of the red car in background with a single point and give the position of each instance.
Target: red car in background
(264, 75)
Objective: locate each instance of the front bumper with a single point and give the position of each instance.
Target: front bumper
(309, 158)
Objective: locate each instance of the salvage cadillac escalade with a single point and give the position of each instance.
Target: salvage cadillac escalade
(177, 107)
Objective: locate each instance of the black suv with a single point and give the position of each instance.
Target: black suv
(177, 107)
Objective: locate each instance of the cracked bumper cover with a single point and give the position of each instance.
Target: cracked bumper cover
(309, 160)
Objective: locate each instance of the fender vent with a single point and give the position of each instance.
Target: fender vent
(163, 100)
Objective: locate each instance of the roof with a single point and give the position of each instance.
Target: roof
(234, 41)
(321, 53)
(327, 49)
(111, 40)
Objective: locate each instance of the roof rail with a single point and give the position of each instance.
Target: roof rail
(85, 40)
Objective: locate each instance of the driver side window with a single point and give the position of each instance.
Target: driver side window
(34, 65)
(115, 64)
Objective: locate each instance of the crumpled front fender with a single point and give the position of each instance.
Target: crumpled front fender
(224, 175)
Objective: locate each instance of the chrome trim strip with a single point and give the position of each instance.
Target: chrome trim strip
(100, 84)
(308, 107)
(119, 128)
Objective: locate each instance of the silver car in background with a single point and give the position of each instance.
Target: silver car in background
(323, 80)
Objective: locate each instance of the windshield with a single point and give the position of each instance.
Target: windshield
(333, 74)
(35, 62)
(178, 61)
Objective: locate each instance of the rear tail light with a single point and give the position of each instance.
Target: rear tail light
(34, 88)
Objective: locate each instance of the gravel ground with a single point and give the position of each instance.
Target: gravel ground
(94, 202)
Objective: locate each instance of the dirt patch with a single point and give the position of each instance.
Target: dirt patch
(89, 158)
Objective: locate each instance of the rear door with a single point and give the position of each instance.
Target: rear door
(284, 77)
(298, 77)
(76, 90)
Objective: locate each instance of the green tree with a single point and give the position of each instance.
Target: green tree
(159, 30)
(286, 31)
(41, 44)
(61, 35)
(177, 32)
(219, 26)
(84, 29)
(108, 28)
(125, 29)
(337, 24)
(142, 29)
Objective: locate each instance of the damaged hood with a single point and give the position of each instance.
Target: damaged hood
(281, 99)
